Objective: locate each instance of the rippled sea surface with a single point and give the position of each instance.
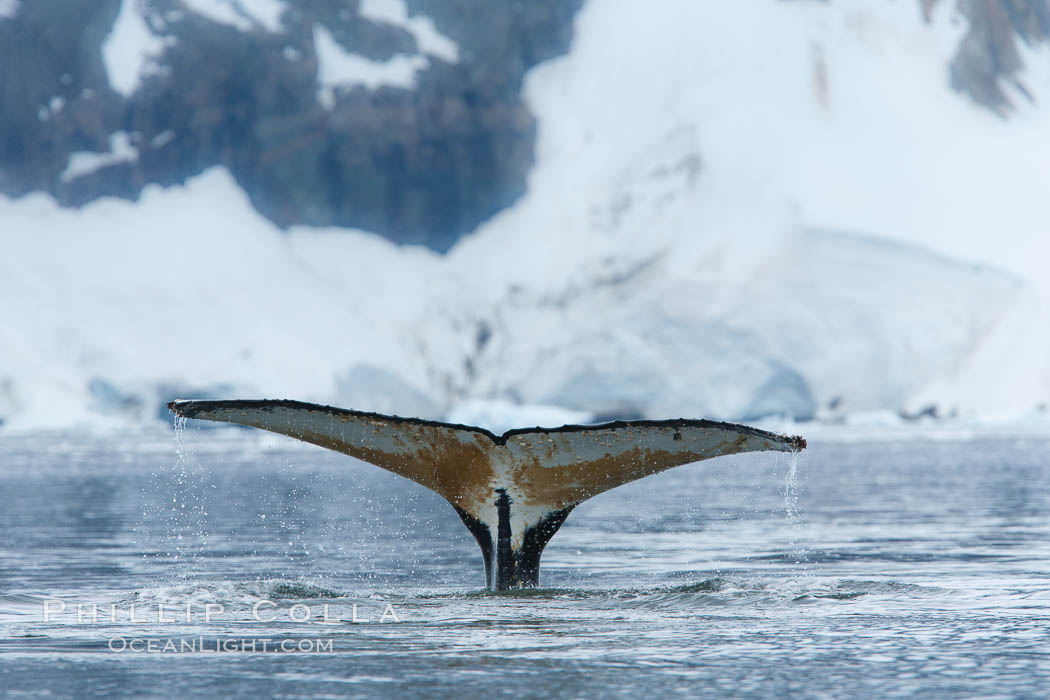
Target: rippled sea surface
(871, 568)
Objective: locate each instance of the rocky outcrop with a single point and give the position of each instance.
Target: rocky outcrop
(987, 62)
(420, 164)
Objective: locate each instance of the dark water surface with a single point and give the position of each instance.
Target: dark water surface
(873, 568)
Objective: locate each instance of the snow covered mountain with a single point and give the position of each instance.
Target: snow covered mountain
(736, 210)
(401, 117)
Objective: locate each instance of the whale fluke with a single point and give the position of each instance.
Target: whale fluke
(512, 491)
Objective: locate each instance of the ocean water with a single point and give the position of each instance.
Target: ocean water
(862, 568)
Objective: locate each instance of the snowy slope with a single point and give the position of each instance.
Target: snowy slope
(819, 319)
(839, 111)
(191, 290)
(719, 224)
(708, 142)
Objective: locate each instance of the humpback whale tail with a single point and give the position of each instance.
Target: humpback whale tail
(512, 491)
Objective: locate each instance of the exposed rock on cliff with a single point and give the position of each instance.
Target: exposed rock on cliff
(420, 156)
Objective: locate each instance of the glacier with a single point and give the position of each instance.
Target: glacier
(736, 211)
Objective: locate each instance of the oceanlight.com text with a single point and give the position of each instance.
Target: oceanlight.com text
(205, 645)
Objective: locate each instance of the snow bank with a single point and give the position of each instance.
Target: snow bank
(122, 305)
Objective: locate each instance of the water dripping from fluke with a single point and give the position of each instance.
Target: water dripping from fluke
(792, 489)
